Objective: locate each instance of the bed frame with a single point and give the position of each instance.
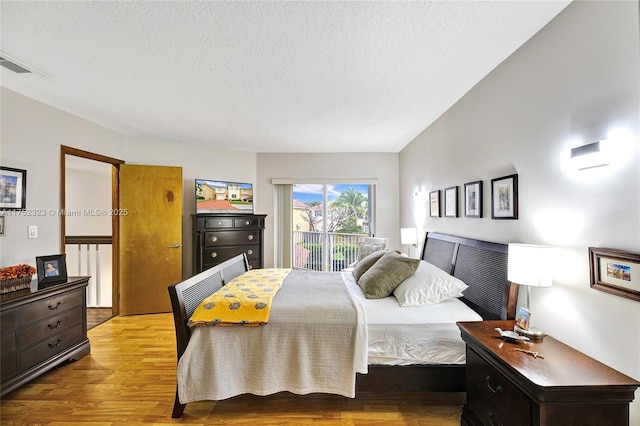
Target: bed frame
(481, 265)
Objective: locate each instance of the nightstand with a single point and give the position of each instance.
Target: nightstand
(566, 387)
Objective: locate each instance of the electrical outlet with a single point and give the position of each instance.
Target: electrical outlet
(32, 231)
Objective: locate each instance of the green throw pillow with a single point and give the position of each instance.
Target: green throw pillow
(366, 263)
(386, 274)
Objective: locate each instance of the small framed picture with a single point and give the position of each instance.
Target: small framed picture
(451, 202)
(52, 269)
(13, 189)
(504, 197)
(434, 203)
(473, 199)
(1, 224)
(523, 318)
(615, 272)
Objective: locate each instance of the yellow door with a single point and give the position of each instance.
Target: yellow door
(150, 237)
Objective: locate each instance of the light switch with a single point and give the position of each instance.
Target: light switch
(32, 231)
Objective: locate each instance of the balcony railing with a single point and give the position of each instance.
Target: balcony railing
(319, 251)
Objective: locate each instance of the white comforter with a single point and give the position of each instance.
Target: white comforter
(307, 347)
(221, 362)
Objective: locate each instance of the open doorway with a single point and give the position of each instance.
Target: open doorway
(89, 234)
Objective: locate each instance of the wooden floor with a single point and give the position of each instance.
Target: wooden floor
(129, 379)
(96, 316)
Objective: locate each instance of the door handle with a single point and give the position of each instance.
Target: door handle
(175, 246)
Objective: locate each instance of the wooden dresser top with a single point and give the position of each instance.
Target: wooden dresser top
(562, 366)
(10, 299)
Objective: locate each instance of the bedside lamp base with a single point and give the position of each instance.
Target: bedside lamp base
(532, 333)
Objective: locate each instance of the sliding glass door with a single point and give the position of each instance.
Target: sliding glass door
(329, 220)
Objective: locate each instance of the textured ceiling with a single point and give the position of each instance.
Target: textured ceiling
(312, 76)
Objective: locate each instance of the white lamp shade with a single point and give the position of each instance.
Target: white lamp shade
(408, 236)
(529, 265)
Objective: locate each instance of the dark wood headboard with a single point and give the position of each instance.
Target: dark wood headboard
(482, 266)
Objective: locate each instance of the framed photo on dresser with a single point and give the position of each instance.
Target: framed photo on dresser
(52, 269)
(523, 317)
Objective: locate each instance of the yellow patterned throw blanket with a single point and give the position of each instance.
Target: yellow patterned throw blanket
(245, 300)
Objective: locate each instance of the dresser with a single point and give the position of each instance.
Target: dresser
(565, 387)
(40, 329)
(220, 237)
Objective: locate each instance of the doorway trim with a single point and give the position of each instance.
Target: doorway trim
(115, 219)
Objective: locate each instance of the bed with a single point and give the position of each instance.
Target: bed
(479, 264)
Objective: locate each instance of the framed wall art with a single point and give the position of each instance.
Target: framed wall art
(504, 197)
(615, 272)
(451, 202)
(434, 203)
(13, 189)
(473, 199)
(52, 269)
(1, 225)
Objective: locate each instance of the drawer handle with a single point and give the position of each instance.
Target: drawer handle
(214, 239)
(51, 345)
(250, 237)
(247, 223)
(249, 252)
(214, 254)
(53, 308)
(490, 414)
(51, 326)
(496, 389)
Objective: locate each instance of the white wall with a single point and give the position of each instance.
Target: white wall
(578, 78)
(383, 166)
(197, 161)
(31, 135)
(88, 190)
(88, 187)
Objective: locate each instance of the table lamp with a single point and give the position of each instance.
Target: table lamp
(408, 236)
(529, 265)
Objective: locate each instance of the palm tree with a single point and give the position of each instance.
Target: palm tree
(347, 208)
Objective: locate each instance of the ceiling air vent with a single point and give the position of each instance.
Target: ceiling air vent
(18, 67)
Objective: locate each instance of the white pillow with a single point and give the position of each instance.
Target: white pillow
(429, 285)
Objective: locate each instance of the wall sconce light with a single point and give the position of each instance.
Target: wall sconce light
(408, 236)
(588, 156)
(421, 196)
